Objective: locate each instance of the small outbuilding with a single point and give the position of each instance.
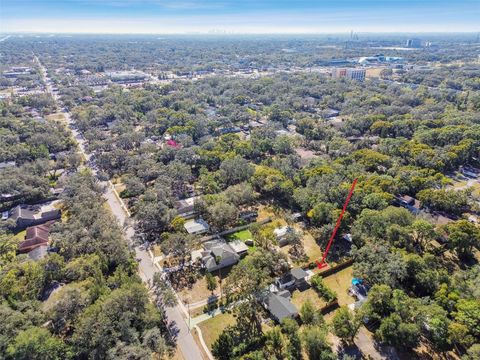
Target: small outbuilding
(196, 226)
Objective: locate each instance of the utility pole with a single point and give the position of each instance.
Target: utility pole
(189, 317)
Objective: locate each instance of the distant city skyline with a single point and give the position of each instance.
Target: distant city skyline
(246, 16)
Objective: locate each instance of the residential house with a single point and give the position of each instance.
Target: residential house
(409, 203)
(279, 305)
(196, 226)
(347, 238)
(249, 216)
(35, 244)
(7, 164)
(281, 234)
(35, 236)
(469, 172)
(31, 215)
(239, 247)
(38, 253)
(218, 255)
(295, 278)
(331, 113)
(359, 290)
(186, 207)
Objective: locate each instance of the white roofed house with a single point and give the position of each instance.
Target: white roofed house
(196, 226)
(239, 246)
(218, 254)
(281, 234)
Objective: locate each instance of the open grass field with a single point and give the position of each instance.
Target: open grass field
(213, 327)
(312, 249)
(301, 297)
(340, 282)
(268, 212)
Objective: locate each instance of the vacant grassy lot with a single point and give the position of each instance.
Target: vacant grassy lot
(301, 297)
(265, 212)
(197, 292)
(340, 282)
(312, 249)
(213, 327)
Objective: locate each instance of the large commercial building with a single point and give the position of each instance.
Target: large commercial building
(349, 73)
(414, 43)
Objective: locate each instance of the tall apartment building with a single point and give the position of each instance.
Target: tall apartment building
(414, 43)
(350, 73)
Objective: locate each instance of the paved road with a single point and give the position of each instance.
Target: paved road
(185, 341)
(364, 347)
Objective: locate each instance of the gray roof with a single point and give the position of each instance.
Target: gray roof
(196, 226)
(221, 251)
(38, 253)
(22, 212)
(280, 307)
(298, 273)
(238, 246)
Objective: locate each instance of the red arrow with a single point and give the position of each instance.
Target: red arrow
(322, 263)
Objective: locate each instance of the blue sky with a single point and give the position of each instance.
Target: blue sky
(239, 16)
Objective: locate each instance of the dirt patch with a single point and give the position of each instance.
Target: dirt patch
(197, 292)
(56, 117)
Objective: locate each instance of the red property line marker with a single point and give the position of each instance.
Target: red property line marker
(322, 264)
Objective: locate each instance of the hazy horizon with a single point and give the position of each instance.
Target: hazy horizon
(246, 17)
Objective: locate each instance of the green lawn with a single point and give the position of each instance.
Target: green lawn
(340, 282)
(301, 297)
(213, 327)
(241, 235)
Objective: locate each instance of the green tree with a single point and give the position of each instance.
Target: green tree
(473, 353)
(463, 236)
(396, 332)
(316, 344)
(345, 324)
(294, 345)
(37, 343)
(223, 347)
(211, 282)
(307, 313)
(275, 343)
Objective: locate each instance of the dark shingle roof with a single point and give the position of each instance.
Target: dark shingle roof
(299, 273)
(280, 307)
